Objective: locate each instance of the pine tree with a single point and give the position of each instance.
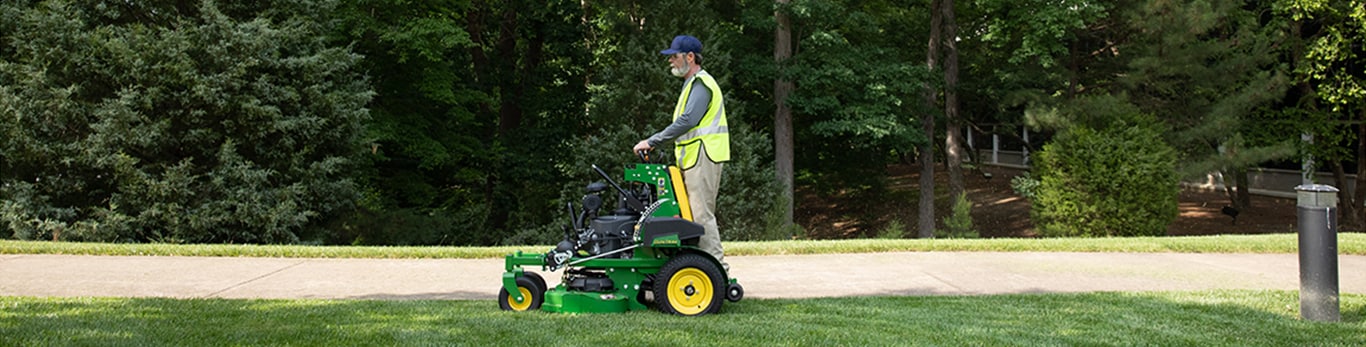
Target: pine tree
(169, 122)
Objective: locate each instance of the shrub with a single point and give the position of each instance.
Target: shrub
(959, 223)
(894, 229)
(1120, 181)
(1025, 185)
(149, 125)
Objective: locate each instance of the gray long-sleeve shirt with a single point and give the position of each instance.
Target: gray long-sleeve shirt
(693, 112)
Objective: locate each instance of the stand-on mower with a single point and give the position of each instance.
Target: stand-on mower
(644, 251)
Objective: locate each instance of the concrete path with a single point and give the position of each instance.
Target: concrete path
(787, 276)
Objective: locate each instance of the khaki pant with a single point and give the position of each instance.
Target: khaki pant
(703, 181)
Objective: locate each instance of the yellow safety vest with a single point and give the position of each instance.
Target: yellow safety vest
(712, 132)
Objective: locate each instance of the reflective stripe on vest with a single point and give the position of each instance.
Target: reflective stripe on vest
(712, 132)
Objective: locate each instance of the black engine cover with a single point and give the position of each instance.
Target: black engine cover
(608, 233)
(613, 225)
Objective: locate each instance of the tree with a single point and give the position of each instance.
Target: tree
(1187, 64)
(425, 135)
(782, 115)
(173, 122)
(1327, 57)
(926, 152)
(1191, 69)
(953, 148)
(475, 103)
(1026, 58)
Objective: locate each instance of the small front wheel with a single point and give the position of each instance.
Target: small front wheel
(532, 296)
(735, 292)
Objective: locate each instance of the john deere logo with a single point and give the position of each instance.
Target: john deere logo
(666, 242)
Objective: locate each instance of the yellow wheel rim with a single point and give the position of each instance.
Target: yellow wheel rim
(524, 304)
(690, 291)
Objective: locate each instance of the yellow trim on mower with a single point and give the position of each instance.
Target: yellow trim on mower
(681, 192)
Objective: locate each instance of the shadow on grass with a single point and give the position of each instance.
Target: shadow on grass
(1354, 314)
(1243, 318)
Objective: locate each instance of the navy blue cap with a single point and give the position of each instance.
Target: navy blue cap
(684, 44)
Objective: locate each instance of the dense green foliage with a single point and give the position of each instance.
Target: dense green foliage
(1115, 181)
(1206, 318)
(474, 106)
(958, 224)
(459, 122)
(1348, 244)
(859, 89)
(169, 123)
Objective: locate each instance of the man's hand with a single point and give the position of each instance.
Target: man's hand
(643, 145)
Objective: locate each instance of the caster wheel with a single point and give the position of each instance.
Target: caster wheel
(735, 292)
(533, 294)
(536, 278)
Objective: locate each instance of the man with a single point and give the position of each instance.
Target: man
(700, 137)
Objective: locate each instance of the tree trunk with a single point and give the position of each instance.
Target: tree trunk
(1346, 199)
(474, 25)
(510, 91)
(926, 155)
(510, 68)
(1358, 214)
(1244, 197)
(953, 148)
(782, 115)
(1235, 187)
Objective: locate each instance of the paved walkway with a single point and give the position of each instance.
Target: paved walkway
(788, 276)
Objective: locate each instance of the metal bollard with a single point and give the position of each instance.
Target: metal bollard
(1317, 209)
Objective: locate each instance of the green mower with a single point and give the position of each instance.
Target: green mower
(644, 253)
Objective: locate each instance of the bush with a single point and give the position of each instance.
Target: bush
(958, 224)
(894, 229)
(1025, 185)
(147, 124)
(1120, 181)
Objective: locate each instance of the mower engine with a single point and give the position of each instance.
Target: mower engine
(604, 236)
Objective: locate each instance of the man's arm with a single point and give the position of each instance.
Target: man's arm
(693, 112)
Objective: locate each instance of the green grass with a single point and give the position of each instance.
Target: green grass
(1212, 318)
(1348, 243)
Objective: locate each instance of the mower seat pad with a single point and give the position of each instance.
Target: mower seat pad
(688, 232)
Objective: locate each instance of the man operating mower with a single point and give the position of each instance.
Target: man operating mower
(700, 137)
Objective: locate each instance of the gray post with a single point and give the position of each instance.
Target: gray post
(1317, 217)
(995, 148)
(1307, 166)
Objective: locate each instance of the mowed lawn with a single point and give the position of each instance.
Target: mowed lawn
(1208, 318)
(1205, 318)
(1348, 244)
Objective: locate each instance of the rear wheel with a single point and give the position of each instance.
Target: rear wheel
(689, 285)
(532, 296)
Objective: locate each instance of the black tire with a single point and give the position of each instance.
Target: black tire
(689, 285)
(540, 281)
(735, 292)
(532, 296)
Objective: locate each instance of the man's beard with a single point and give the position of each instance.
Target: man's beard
(680, 71)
